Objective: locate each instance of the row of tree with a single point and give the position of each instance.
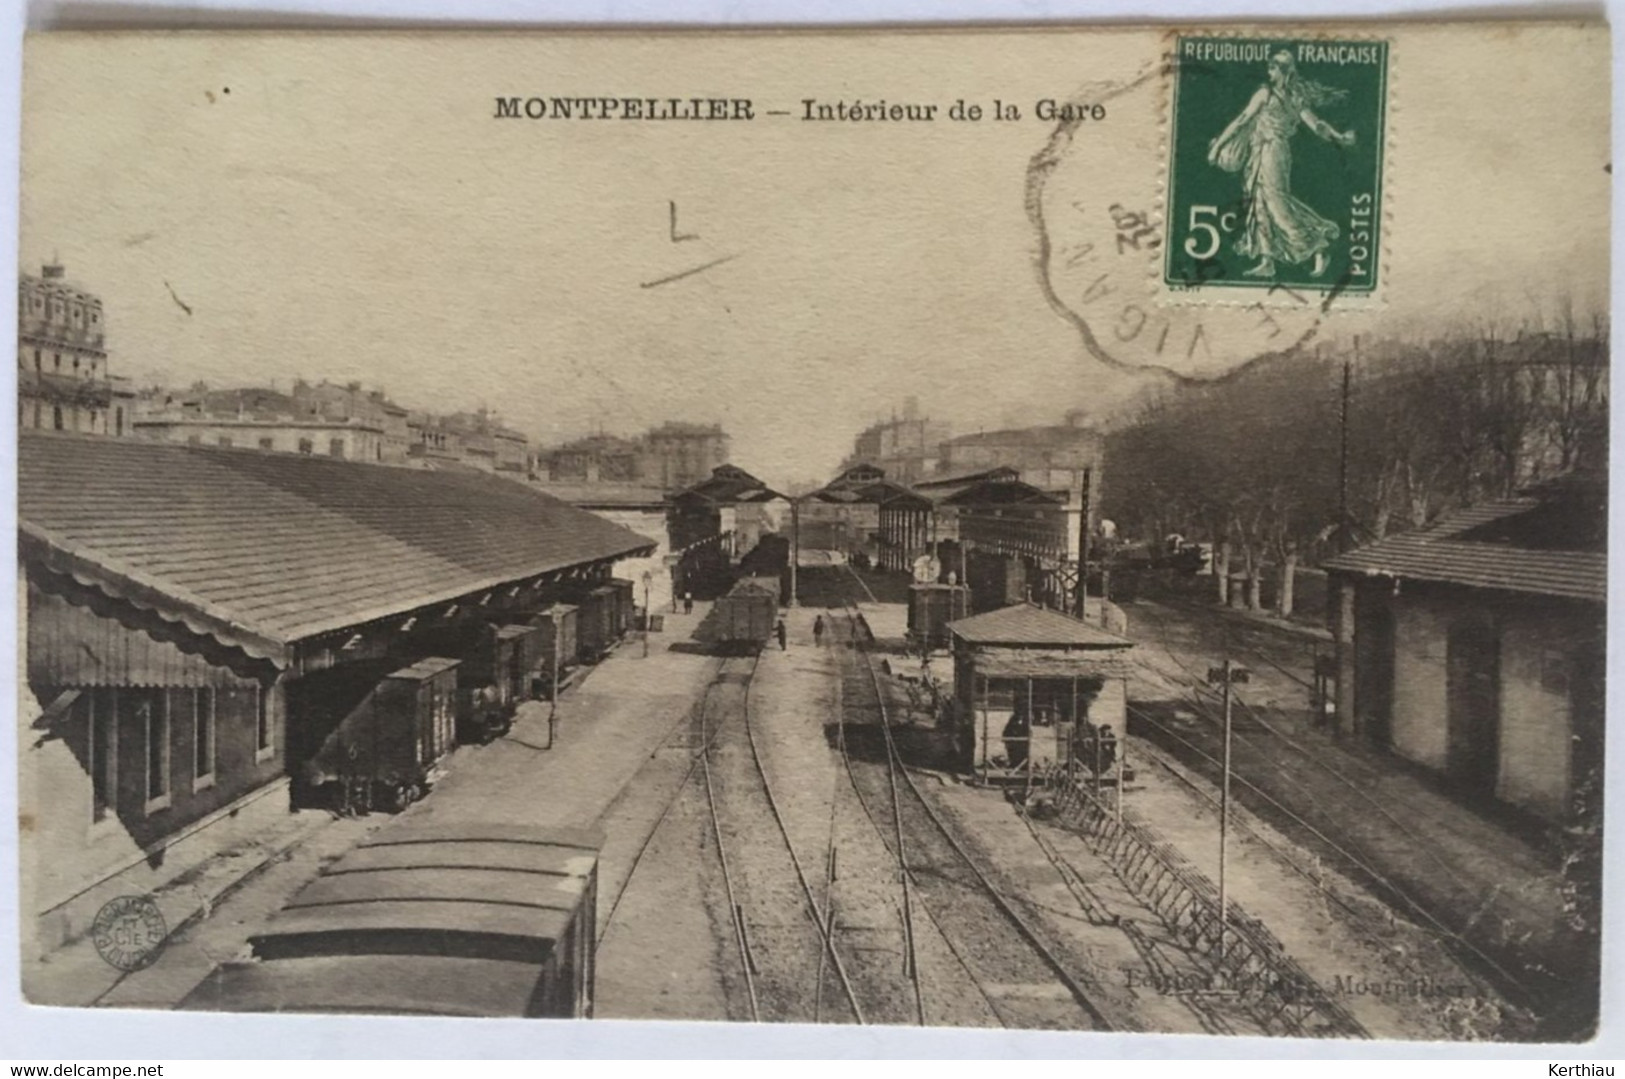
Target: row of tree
(1302, 455)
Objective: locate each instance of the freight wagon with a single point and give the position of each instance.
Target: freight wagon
(479, 920)
(624, 611)
(595, 623)
(930, 608)
(743, 620)
(496, 676)
(557, 647)
(385, 751)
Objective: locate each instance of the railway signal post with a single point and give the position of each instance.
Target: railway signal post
(1225, 676)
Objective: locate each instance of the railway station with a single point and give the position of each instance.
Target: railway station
(830, 757)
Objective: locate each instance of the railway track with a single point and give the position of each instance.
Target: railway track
(778, 932)
(1369, 834)
(1018, 975)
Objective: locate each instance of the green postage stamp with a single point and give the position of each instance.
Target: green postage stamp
(1275, 164)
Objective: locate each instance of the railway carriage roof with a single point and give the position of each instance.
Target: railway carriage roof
(261, 549)
(431, 881)
(387, 984)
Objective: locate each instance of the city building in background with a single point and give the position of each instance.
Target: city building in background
(678, 455)
(595, 459)
(63, 382)
(906, 447)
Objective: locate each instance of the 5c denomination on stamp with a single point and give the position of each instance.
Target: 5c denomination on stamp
(1275, 164)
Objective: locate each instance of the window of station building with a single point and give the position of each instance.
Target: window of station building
(263, 747)
(307, 446)
(225, 441)
(57, 357)
(202, 704)
(145, 713)
(267, 443)
(118, 420)
(56, 417)
(37, 360)
(194, 440)
(101, 749)
(335, 447)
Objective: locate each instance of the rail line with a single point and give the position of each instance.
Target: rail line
(701, 765)
(946, 861)
(665, 811)
(1415, 841)
(1357, 861)
(820, 920)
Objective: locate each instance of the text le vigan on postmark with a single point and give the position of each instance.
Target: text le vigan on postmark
(1275, 163)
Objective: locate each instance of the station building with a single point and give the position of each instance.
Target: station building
(1476, 647)
(188, 612)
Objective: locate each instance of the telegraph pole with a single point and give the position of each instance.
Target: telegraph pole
(795, 546)
(1226, 676)
(1083, 545)
(1343, 454)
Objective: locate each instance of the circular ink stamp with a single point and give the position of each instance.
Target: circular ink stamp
(129, 932)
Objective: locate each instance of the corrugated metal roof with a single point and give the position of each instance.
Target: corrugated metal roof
(285, 546)
(1031, 625)
(1436, 554)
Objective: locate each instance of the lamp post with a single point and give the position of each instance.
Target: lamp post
(1226, 676)
(647, 579)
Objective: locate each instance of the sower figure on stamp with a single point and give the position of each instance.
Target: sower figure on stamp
(1258, 144)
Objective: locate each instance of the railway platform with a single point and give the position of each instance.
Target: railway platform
(608, 724)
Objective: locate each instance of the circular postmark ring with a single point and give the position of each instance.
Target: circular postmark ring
(129, 932)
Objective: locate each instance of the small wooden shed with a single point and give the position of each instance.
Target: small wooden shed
(1031, 687)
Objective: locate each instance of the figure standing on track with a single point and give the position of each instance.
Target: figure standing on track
(778, 631)
(1105, 750)
(818, 631)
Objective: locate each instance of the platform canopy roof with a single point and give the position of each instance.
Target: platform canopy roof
(997, 489)
(866, 483)
(1551, 544)
(728, 485)
(260, 549)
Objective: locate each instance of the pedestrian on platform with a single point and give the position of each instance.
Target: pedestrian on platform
(818, 631)
(778, 631)
(688, 603)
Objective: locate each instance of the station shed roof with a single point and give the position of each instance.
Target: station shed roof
(1552, 543)
(1028, 641)
(1027, 625)
(260, 549)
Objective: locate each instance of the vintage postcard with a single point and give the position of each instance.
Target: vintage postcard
(1089, 529)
